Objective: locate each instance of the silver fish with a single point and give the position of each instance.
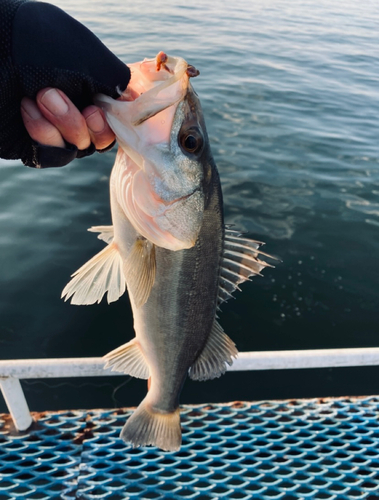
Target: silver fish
(168, 245)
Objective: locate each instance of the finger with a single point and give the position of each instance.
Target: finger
(39, 129)
(99, 130)
(57, 108)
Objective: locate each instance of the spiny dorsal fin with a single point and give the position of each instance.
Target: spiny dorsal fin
(140, 270)
(218, 350)
(101, 274)
(240, 261)
(106, 233)
(128, 359)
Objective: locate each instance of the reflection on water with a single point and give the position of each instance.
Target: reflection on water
(291, 100)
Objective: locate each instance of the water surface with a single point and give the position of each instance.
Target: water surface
(291, 99)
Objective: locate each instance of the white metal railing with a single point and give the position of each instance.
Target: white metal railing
(12, 371)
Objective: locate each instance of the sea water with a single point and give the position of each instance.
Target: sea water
(290, 92)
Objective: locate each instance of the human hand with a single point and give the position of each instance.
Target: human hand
(44, 48)
(53, 120)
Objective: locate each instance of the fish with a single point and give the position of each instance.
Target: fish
(168, 245)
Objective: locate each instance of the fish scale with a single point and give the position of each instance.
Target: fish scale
(168, 244)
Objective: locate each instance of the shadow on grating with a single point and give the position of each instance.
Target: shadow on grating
(289, 450)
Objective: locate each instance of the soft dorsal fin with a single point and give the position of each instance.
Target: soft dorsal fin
(106, 233)
(128, 359)
(218, 351)
(101, 274)
(139, 270)
(240, 261)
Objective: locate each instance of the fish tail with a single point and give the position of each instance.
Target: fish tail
(151, 427)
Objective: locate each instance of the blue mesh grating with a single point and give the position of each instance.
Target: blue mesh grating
(300, 449)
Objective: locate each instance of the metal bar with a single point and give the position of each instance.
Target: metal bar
(13, 370)
(16, 403)
(54, 368)
(313, 358)
(261, 360)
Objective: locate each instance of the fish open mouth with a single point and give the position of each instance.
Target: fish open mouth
(156, 87)
(164, 71)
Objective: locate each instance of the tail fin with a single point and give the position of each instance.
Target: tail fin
(147, 426)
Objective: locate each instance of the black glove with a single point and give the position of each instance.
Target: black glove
(42, 46)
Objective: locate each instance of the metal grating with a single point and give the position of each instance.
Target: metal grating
(299, 449)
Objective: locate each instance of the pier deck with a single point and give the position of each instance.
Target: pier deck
(292, 449)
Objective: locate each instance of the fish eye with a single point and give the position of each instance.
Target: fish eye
(191, 141)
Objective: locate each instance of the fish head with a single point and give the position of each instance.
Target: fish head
(158, 178)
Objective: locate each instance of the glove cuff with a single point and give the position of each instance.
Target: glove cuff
(51, 157)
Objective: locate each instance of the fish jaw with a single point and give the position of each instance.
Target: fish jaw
(158, 185)
(150, 92)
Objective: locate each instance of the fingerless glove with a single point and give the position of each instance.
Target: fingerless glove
(42, 46)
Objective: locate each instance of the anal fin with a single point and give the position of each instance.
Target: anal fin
(139, 270)
(128, 359)
(218, 351)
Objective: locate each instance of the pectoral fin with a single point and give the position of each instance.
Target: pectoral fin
(140, 270)
(218, 350)
(128, 359)
(102, 274)
(106, 233)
